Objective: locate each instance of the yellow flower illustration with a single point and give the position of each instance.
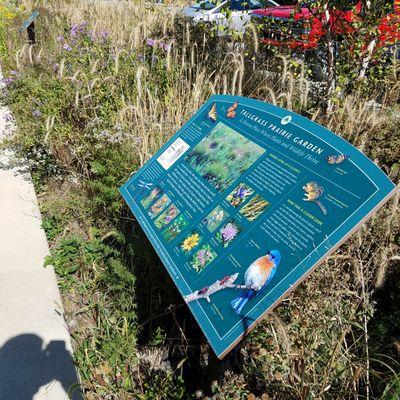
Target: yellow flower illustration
(191, 242)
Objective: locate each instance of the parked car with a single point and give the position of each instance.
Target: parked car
(300, 28)
(230, 14)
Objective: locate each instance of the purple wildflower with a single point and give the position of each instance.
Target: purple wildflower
(13, 72)
(66, 47)
(229, 232)
(74, 30)
(56, 66)
(151, 42)
(9, 81)
(164, 46)
(82, 27)
(60, 39)
(36, 113)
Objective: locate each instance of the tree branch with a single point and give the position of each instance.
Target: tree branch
(225, 283)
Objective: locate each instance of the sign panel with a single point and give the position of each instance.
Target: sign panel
(243, 202)
(27, 22)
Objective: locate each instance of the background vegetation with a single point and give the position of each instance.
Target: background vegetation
(105, 86)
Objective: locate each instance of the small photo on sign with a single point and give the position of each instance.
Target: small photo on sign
(151, 196)
(223, 156)
(159, 205)
(239, 195)
(190, 242)
(166, 216)
(254, 208)
(202, 257)
(228, 233)
(215, 218)
(172, 154)
(175, 229)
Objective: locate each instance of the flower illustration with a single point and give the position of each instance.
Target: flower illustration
(191, 242)
(203, 257)
(239, 195)
(229, 232)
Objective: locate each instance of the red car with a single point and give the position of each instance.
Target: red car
(302, 27)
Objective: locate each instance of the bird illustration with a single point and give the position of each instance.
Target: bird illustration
(257, 277)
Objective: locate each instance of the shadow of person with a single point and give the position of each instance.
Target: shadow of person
(25, 366)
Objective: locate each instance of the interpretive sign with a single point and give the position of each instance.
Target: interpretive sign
(243, 202)
(29, 21)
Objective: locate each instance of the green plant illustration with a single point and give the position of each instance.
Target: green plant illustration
(254, 208)
(215, 218)
(175, 228)
(167, 216)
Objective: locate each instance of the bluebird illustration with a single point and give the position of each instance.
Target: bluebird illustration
(257, 277)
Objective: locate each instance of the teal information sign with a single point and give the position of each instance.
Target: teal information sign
(27, 22)
(243, 202)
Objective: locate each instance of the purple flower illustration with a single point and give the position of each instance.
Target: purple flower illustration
(201, 257)
(229, 232)
(241, 192)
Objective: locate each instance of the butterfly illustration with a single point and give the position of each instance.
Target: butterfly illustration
(212, 114)
(336, 159)
(231, 113)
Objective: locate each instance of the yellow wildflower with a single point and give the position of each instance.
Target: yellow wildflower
(191, 242)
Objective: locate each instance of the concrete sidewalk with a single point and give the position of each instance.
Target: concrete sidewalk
(35, 349)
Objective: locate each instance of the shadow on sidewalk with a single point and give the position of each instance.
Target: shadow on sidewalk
(25, 366)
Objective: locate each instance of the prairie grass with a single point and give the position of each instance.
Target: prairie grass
(104, 87)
